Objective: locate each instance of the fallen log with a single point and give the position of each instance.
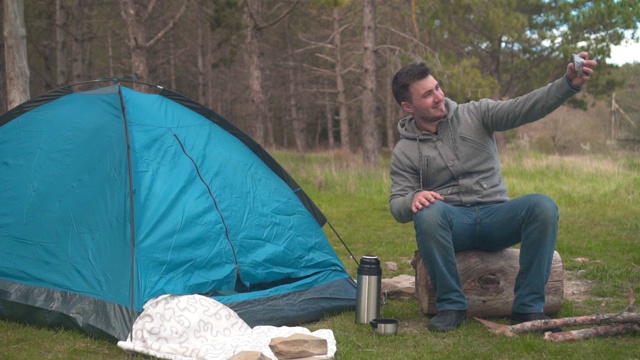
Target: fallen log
(488, 279)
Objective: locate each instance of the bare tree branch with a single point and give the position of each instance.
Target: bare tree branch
(150, 7)
(260, 26)
(322, 56)
(317, 69)
(169, 26)
(315, 42)
(406, 36)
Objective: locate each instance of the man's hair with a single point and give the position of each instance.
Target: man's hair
(405, 77)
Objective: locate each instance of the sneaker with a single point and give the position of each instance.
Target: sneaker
(518, 318)
(447, 320)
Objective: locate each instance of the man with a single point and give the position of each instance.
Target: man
(446, 177)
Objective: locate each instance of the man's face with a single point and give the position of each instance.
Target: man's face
(427, 103)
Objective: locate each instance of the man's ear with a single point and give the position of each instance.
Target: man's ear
(406, 107)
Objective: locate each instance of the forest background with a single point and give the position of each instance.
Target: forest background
(315, 74)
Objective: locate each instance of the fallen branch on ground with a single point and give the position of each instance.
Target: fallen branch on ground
(583, 334)
(608, 324)
(538, 325)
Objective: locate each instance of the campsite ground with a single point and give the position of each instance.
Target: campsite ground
(576, 290)
(597, 196)
(598, 236)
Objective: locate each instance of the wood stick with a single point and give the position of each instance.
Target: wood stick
(583, 334)
(626, 316)
(536, 325)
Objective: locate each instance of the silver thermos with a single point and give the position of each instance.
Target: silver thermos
(369, 289)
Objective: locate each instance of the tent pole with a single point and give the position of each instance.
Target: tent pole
(131, 206)
(343, 243)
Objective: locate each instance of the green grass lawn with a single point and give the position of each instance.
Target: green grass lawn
(599, 201)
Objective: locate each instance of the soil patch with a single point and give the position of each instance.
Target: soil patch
(575, 287)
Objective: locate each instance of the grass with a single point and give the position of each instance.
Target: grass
(598, 198)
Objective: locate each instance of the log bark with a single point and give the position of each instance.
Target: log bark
(488, 279)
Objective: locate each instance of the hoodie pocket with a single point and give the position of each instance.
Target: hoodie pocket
(483, 187)
(475, 144)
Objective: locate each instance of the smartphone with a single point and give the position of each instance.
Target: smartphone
(577, 64)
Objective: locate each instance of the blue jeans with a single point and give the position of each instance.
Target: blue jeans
(531, 220)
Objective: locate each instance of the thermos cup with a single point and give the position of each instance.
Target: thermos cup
(369, 289)
(385, 327)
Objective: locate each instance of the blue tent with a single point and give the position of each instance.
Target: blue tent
(112, 197)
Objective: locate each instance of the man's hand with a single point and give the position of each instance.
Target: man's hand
(424, 199)
(578, 80)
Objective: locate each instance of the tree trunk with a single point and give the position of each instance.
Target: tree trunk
(390, 120)
(488, 279)
(77, 44)
(200, 52)
(15, 42)
(62, 67)
(89, 32)
(254, 17)
(253, 55)
(110, 52)
(137, 29)
(343, 114)
(370, 146)
(136, 14)
(172, 64)
(329, 118)
(298, 123)
(209, 80)
(3, 83)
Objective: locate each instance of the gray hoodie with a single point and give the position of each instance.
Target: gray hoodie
(461, 162)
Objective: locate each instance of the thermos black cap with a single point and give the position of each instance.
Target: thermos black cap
(369, 265)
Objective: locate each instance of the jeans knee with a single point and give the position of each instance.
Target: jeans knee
(543, 207)
(431, 225)
(429, 217)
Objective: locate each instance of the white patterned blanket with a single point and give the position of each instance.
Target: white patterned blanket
(195, 327)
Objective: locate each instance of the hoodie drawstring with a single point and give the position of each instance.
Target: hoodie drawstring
(420, 162)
